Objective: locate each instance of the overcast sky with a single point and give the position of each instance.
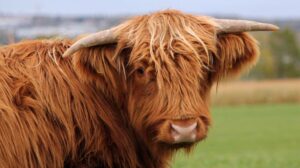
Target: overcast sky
(244, 8)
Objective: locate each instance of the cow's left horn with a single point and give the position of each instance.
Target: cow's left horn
(103, 37)
(235, 26)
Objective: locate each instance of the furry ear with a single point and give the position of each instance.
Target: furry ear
(235, 53)
(103, 66)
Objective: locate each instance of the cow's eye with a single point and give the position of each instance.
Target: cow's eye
(140, 71)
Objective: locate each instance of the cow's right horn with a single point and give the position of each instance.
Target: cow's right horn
(108, 36)
(235, 26)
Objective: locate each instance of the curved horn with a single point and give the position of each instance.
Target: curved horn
(235, 26)
(103, 37)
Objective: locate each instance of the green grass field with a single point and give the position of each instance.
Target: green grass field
(256, 136)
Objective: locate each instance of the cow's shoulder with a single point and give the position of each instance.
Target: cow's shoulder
(27, 47)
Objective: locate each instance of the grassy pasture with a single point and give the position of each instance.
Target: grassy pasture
(249, 136)
(256, 92)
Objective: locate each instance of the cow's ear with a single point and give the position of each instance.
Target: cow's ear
(100, 65)
(235, 54)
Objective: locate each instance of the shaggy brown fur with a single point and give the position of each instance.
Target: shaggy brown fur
(106, 106)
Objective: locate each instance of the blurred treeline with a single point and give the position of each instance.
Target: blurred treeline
(280, 55)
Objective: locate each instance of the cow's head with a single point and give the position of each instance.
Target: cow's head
(160, 68)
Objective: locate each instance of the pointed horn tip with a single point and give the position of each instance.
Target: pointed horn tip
(274, 27)
(267, 26)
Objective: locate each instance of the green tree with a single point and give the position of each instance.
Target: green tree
(286, 52)
(265, 67)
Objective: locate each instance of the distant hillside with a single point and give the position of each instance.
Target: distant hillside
(24, 27)
(20, 27)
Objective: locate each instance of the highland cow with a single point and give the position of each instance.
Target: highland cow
(129, 96)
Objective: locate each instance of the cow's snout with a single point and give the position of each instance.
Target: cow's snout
(182, 131)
